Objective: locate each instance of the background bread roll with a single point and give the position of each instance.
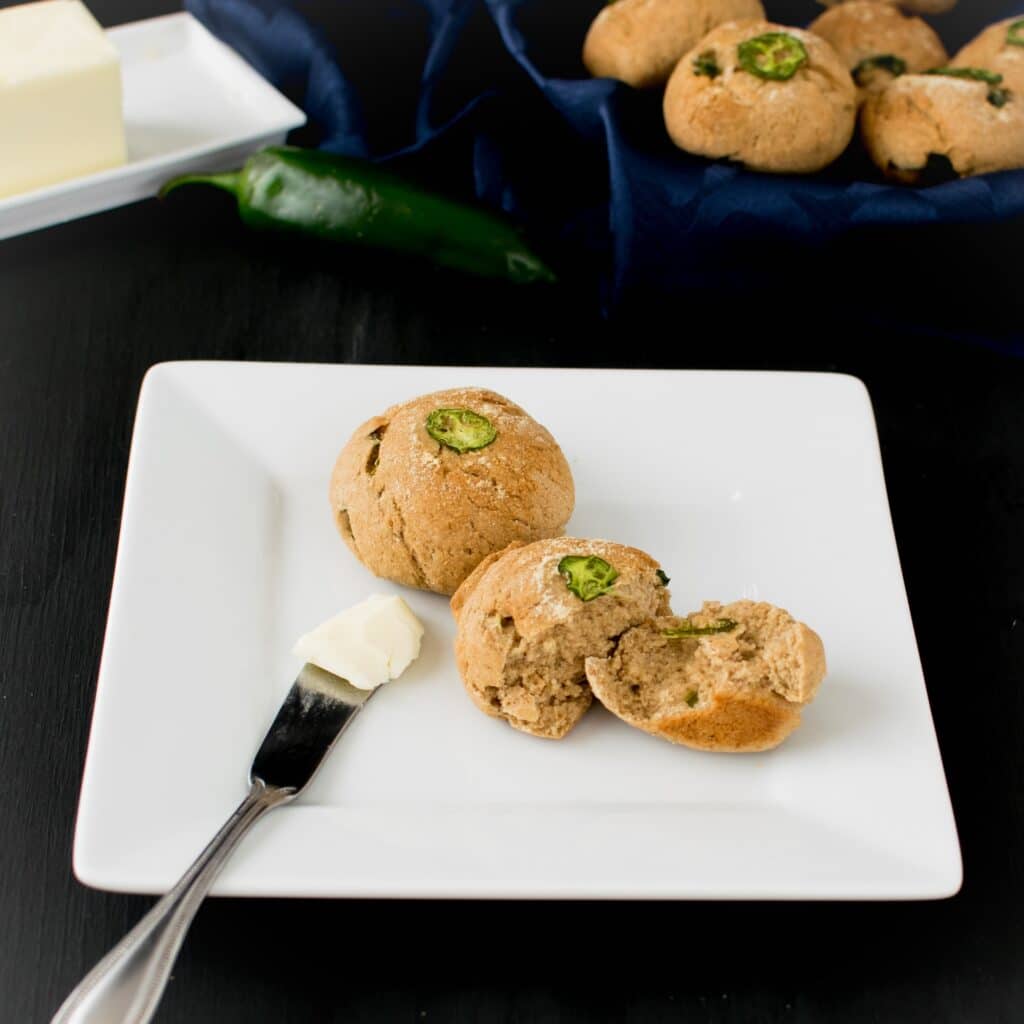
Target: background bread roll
(993, 50)
(716, 108)
(914, 6)
(867, 29)
(919, 117)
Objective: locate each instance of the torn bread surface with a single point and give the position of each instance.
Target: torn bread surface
(523, 637)
(741, 690)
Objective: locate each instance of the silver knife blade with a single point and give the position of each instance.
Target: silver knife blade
(319, 707)
(126, 985)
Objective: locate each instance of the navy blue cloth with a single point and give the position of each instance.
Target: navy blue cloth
(601, 176)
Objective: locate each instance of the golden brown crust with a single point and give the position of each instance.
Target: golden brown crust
(640, 41)
(419, 513)
(796, 126)
(914, 6)
(990, 50)
(736, 692)
(522, 636)
(864, 29)
(920, 116)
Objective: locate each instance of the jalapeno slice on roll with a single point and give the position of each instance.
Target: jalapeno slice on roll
(777, 56)
(587, 576)
(462, 430)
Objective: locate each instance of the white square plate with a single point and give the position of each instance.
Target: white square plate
(742, 484)
(190, 104)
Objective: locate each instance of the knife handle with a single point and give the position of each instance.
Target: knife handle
(126, 985)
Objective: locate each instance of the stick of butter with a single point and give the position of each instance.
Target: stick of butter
(60, 96)
(371, 643)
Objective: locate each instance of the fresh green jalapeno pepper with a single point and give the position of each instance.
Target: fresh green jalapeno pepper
(896, 66)
(587, 576)
(777, 56)
(997, 96)
(1015, 33)
(689, 630)
(706, 64)
(342, 199)
(462, 430)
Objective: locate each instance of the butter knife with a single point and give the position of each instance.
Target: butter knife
(126, 985)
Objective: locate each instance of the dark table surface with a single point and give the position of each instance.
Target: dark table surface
(87, 307)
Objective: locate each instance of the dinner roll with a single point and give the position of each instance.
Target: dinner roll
(977, 125)
(640, 41)
(529, 617)
(878, 43)
(999, 48)
(728, 678)
(426, 490)
(773, 98)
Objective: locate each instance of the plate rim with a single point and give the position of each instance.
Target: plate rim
(944, 882)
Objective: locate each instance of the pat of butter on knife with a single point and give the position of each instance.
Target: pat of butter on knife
(371, 643)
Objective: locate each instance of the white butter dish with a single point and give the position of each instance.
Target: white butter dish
(190, 104)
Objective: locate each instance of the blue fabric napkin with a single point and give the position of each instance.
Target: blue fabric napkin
(600, 174)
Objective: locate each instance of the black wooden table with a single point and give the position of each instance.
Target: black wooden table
(87, 307)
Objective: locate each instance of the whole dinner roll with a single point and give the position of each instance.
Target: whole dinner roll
(425, 491)
(771, 97)
(977, 126)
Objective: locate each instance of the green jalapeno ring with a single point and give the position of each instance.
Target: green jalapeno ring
(462, 430)
(1015, 33)
(689, 630)
(706, 64)
(587, 576)
(896, 66)
(777, 56)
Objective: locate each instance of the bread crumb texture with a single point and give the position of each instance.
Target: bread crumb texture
(738, 691)
(418, 512)
(795, 126)
(920, 116)
(523, 637)
(640, 41)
